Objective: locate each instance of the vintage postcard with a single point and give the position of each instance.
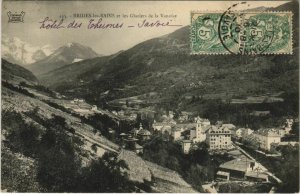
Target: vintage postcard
(150, 96)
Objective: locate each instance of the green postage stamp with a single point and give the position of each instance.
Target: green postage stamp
(241, 32)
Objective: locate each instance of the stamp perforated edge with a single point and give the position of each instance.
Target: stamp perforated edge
(291, 42)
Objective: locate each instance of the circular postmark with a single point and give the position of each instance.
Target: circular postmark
(245, 33)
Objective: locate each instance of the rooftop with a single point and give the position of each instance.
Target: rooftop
(270, 132)
(163, 123)
(186, 141)
(144, 132)
(234, 153)
(219, 130)
(185, 125)
(130, 139)
(229, 125)
(239, 164)
(201, 119)
(137, 146)
(257, 175)
(223, 173)
(133, 131)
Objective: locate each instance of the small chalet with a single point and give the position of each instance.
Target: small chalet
(143, 134)
(186, 146)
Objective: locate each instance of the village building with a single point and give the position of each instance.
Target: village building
(219, 137)
(163, 126)
(176, 134)
(241, 168)
(260, 113)
(111, 131)
(184, 116)
(198, 133)
(242, 132)
(81, 110)
(246, 132)
(138, 148)
(94, 108)
(131, 144)
(237, 133)
(229, 126)
(186, 126)
(266, 137)
(186, 146)
(134, 132)
(287, 127)
(171, 114)
(143, 134)
(121, 113)
(274, 146)
(282, 132)
(202, 121)
(133, 116)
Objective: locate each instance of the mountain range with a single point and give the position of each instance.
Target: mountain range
(67, 54)
(41, 60)
(16, 74)
(154, 71)
(17, 51)
(164, 66)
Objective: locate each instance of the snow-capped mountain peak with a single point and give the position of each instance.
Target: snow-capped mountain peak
(47, 49)
(64, 55)
(17, 51)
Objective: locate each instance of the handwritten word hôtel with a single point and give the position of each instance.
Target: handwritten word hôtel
(48, 23)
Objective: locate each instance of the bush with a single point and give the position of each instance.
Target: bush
(198, 174)
(22, 137)
(61, 173)
(17, 174)
(17, 89)
(57, 106)
(105, 175)
(164, 153)
(39, 88)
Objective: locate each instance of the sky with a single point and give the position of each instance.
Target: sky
(105, 41)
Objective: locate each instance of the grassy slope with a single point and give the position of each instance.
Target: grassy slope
(16, 73)
(14, 101)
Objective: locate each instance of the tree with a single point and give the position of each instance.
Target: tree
(200, 155)
(22, 137)
(94, 147)
(59, 175)
(287, 168)
(295, 129)
(105, 175)
(197, 175)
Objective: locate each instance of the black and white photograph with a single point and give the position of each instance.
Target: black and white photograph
(149, 96)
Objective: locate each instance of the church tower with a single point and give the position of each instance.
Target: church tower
(198, 129)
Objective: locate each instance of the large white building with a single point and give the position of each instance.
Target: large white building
(163, 126)
(219, 137)
(266, 137)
